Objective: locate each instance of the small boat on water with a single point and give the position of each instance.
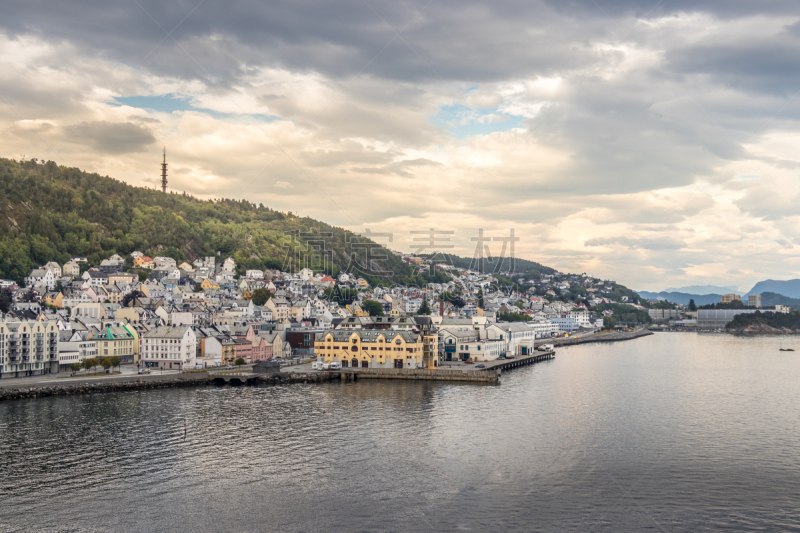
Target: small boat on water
(786, 350)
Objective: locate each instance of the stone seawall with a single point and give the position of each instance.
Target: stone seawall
(186, 380)
(486, 376)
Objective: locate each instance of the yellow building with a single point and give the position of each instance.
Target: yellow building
(371, 348)
(54, 298)
(143, 262)
(356, 310)
(208, 284)
(121, 341)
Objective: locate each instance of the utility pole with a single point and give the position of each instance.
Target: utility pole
(164, 173)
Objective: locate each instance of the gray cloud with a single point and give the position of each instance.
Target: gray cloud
(111, 137)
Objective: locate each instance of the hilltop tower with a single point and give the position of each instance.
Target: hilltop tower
(164, 173)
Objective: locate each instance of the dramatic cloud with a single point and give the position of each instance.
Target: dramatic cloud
(649, 142)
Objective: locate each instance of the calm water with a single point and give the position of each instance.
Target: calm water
(674, 432)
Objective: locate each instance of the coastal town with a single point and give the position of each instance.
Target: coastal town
(156, 313)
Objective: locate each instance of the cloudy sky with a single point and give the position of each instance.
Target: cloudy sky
(651, 142)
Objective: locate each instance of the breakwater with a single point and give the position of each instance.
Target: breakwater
(606, 337)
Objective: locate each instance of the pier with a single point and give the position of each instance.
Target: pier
(523, 360)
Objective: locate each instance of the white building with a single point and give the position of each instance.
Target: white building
(170, 347)
(565, 324)
(512, 333)
(41, 275)
(52, 265)
(544, 328)
(164, 262)
(483, 351)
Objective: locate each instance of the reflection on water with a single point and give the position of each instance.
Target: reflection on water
(673, 431)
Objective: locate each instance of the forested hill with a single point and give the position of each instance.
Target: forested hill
(500, 264)
(50, 213)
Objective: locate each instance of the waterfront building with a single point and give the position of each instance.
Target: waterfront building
(116, 341)
(482, 350)
(371, 348)
(74, 346)
(717, 318)
(453, 339)
(28, 348)
(754, 300)
(512, 333)
(170, 347)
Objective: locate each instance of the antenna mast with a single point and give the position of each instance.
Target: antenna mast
(164, 173)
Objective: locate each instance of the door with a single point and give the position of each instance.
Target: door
(364, 364)
(398, 363)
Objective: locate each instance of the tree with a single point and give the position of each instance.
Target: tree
(480, 298)
(239, 362)
(95, 362)
(75, 367)
(59, 287)
(5, 302)
(30, 296)
(372, 307)
(261, 296)
(143, 275)
(115, 361)
(609, 322)
(106, 363)
(692, 305)
(127, 300)
(87, 364)
(424, 309)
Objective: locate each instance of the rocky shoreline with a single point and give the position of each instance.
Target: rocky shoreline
(761, 329)
(22, 393)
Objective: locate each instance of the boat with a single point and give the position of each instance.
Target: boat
(786, 350)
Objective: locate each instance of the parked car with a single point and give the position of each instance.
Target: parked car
(325, 366)
(229, 367)
(144, 370)
(480, 366)
(468, 362)
(335, 366)
(316, 365)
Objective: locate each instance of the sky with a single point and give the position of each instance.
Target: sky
(653, 143)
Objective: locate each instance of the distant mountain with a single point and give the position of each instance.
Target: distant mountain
(788, 287)
(682, 297)
(768, 299)
(705, 289)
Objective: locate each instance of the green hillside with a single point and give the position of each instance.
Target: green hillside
(505, 264)
(50, 213)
